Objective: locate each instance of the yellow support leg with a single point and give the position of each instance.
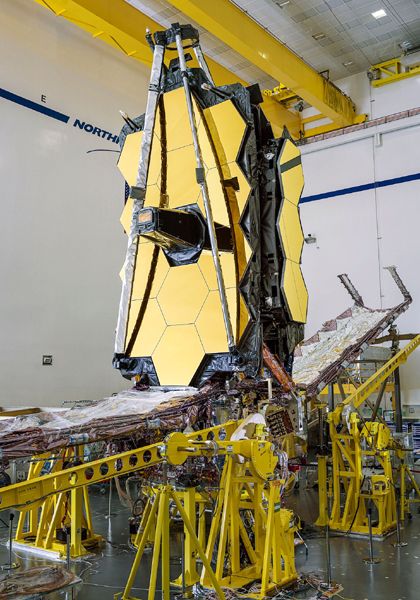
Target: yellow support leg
(202, 523)
(76, 548)
(270, 544)
(156, 547)
(30, 516)
(215, 524)
(37, 526)
(269, 534)
(233, 499)
(162, 546)
(143, 539)
(190, 576)
(166, 574)
(200, 550)
(224, 524)
(54, 522)
(278, 561)
(142, 524)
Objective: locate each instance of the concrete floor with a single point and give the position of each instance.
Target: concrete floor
(397, 577)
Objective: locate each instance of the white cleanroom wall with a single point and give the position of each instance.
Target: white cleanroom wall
(61, 243)
(360, 232)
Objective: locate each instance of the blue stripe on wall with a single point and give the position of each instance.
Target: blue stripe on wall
(361, 188)
(54, 114)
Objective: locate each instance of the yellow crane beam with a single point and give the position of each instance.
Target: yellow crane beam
(372, 384)
(391, 71)
(122, 26)
(231, 25)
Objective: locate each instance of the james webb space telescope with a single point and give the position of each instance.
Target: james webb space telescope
(212, 269)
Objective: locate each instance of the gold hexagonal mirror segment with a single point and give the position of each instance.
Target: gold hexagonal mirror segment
(210, 323)
(151, 329)
(178, 355)
(295, 292)
(291, 172)
(227, 262)
(289, 152)
(182, 187)
(182, 294)
(151, 270)
(227, 129)
(218, 201)
(178, 130)
(290, 230)
(128, 162)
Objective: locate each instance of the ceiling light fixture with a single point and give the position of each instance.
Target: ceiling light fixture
(405, 45)
(319, 36)
(378, 14)
(282, 3)
(347, 63)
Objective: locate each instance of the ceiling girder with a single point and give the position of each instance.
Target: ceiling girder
(122, 26)
(236, 29)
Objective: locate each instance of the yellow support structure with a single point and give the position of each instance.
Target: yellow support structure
(32, 493)
(123, 27)
(235, 28)
(372, 384)
(353, 448)
(159, 514)
(391, 71)
(45, 528)
(349, 388)
(406, 476)
(248, 487)
(268, 540)
(282, 94)
(194, 504)
(352, 451)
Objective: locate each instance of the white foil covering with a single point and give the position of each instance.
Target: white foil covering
(126, 403)
(317, 356)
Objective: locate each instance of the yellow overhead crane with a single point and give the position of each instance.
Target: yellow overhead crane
(357, 443)
(249, 485)
(391, 71)
(123, 27)
(244, 35)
